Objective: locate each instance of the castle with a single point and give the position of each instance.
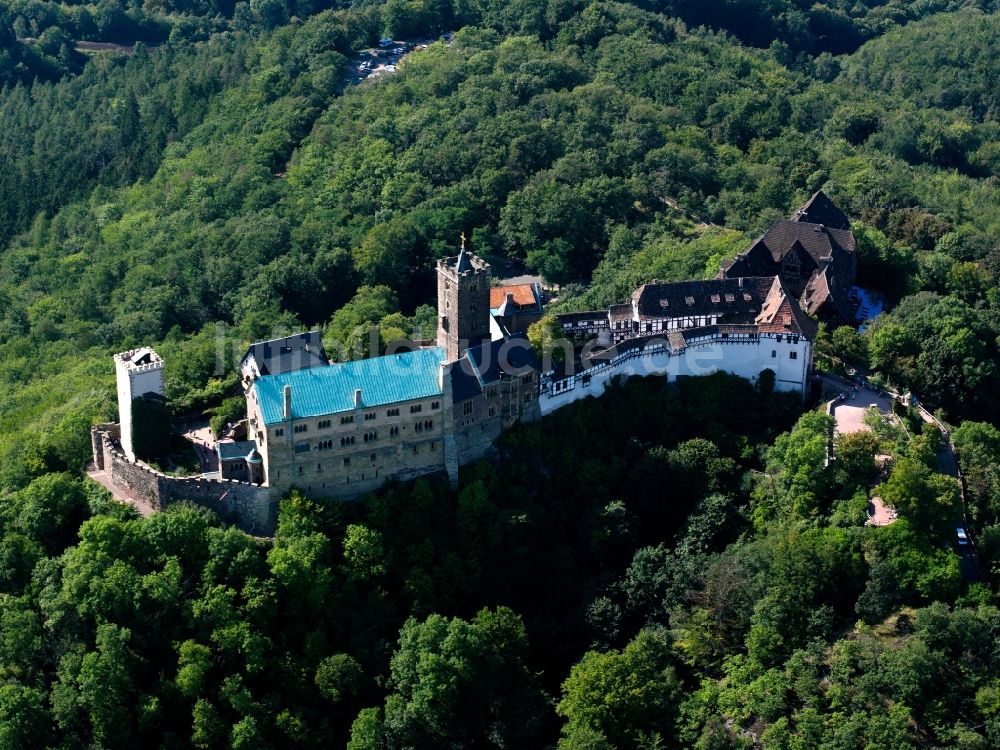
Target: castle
(340, 430)
(814, 253)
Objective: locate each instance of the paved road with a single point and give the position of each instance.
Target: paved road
(200, 436)
(968, 559)
(849, 414)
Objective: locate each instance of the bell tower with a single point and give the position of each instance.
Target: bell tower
(463, 302)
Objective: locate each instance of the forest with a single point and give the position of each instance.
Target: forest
(668, 567)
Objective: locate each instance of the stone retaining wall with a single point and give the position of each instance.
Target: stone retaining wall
(248, 506)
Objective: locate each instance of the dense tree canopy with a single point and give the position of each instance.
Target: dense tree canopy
(669, 566)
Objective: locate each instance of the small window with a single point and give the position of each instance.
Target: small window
(467, 408)
(300, 470)
(774, 353)
(347, 420)
(323, 424)
(393, 431)
(319, 468)
(347, 462)
(527, 397)
(300, 428)
(279, 432)
(793, 355)
(435, 404)
(392, 413)
(730, 298)
(373, 458)
(416, 408)
(747, 297)
(716, 299)
(369, 416)
(302, 447)
(689, 300)
(493, 410)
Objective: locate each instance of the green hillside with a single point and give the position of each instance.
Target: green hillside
(663, 568)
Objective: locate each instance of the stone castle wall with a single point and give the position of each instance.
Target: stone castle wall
(248, 506)
(475, 440)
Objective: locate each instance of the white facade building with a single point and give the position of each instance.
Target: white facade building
(691, 328)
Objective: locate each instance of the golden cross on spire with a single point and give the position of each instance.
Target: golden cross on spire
(463, 240)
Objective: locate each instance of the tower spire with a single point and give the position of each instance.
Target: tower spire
(462, 262)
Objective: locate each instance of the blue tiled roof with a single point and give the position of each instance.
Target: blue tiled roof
(329, 390)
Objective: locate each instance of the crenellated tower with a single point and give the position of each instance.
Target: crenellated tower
(139, 373)
(463, 302)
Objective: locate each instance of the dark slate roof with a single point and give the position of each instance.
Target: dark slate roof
(817, 240)
(230, 450)
(481, 366)
(620, 312)
(462, 262)
(822, 290)
(737, 299)
(821, 210)
(298, 352)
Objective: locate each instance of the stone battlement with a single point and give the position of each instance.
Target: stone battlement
(478, 265)
(125, 359)
(248, 506)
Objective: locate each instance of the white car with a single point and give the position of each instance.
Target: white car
(963, 538)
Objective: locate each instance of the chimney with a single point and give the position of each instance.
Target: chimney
(357, 398)
(287, 406)
(741, 282)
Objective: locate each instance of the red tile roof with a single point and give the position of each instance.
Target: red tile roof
(524, 295)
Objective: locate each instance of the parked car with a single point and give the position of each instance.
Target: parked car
(963, 538)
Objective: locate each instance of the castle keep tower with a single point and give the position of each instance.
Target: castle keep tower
(463, 302)
(139, 372)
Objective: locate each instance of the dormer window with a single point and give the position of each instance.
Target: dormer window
(747, 296)
(716, 299)
(730, 298)
(664, 303)
(689, 300)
